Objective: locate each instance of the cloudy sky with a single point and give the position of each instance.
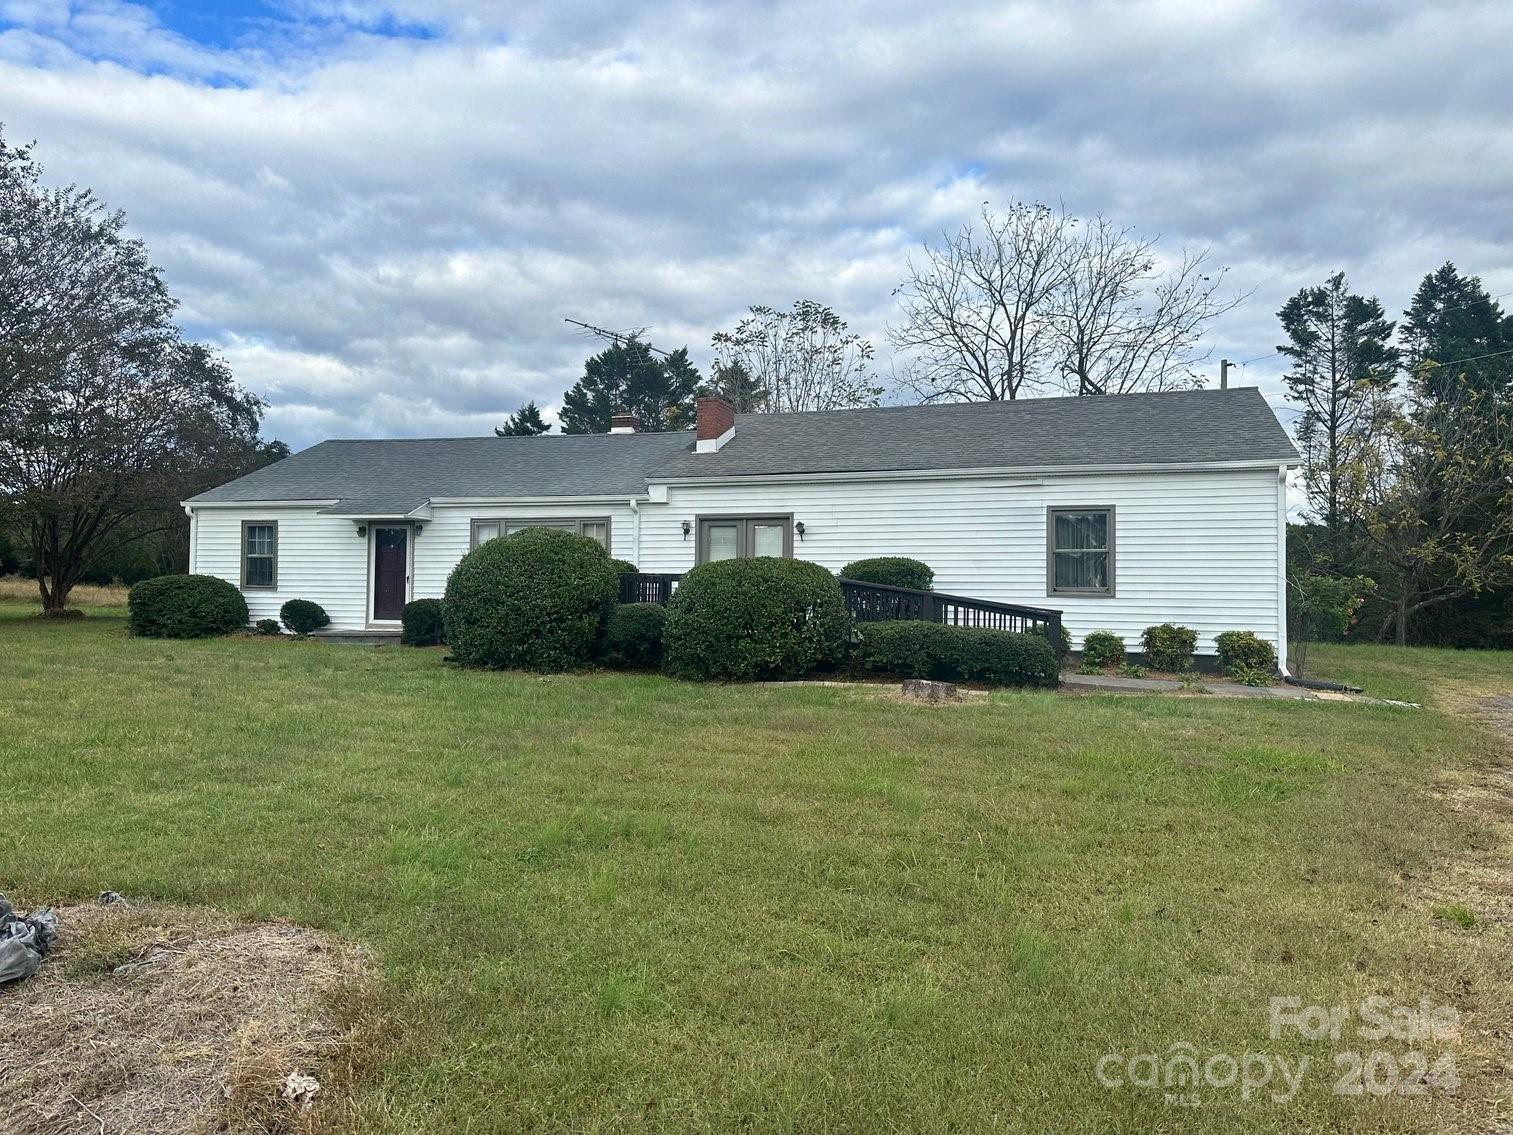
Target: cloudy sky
(381, 212)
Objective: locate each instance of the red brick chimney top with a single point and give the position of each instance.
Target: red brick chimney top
(714, 418)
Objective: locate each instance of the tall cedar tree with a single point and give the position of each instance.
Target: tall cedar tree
(1449, 329)
(627, 377)
(1342, 357)
(109, 418)
(524, 422)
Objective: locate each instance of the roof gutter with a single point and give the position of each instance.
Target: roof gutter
(981, 471)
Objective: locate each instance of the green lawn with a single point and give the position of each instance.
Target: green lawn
(610, 903)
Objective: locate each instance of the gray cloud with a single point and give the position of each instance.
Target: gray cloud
(381, 213)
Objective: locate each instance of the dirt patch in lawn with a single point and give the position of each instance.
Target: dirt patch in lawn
(159, 1019)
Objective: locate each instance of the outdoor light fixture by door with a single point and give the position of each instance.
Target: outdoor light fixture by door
(798, 527)
(687, 528)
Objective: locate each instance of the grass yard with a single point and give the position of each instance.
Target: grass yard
(611, 903)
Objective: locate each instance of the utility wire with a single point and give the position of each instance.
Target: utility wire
(1457, 307)
(618, 336)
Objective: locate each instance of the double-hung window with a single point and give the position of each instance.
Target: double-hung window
(1080, 551)
(594, 527)
(742, 537)
(260, 554)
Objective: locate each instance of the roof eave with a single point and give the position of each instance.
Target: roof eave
(985, 471)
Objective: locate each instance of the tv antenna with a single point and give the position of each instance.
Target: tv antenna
(619, 337)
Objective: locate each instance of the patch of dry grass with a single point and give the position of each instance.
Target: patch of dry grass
(15, 589)
(172, 1020)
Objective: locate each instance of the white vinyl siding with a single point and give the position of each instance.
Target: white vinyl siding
(320, 558)
(1203, 549)
(1196, 548)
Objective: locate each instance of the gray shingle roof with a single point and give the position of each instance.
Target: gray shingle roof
(389, 478)
(1125, 429)
(384, 478)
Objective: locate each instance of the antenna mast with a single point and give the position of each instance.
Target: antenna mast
(617, 336)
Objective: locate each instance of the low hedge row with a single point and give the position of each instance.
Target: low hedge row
(420, 623)
(915, 649)
(633, 636)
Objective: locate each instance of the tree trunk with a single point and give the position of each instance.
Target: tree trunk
(1402, 620)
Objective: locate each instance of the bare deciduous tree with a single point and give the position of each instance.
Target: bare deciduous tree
(1032, 300)
(802, 359)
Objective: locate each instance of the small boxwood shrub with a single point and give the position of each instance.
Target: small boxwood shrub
(633, 636)
(894, 571)
(1246, 658)
(1102, 648)
(185, 606)
(916, 649)
(420, 623)
(741, 620)
(302, 616)
(1169, 647)
(623, 567)
(267, 627)
(536, 600)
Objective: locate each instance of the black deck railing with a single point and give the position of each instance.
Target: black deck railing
(878, 602)
(648, 587)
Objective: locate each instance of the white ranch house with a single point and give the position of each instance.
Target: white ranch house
(1120, 511)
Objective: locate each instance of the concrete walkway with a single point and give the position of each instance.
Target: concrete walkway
(1207, 685)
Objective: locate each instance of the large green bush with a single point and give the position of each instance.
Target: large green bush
(1169, 647)
(302, 616)
(740, 620)
(624, 567)
(420, 623)
(633, 636)
(536, 600)
(917, 649)
(1102, 648)
(1246, 657)
(894, 571)
(185, 606)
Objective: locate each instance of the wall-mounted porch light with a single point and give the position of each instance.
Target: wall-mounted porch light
(687, 528)
(798, 527)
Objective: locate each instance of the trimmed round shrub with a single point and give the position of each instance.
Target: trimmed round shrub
(916, 649)
(1169, 647)
(302, 616)
(267, 627)
(536, 600)
(742, 620)
(1102, 648)
(623, 567)
(420, 623)
(894, 571)
(1246, 657)
(185, 606)
(633, 636)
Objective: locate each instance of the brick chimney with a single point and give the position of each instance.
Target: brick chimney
(624, 424)
(714, 424)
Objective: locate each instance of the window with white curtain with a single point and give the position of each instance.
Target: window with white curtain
(1080, 551)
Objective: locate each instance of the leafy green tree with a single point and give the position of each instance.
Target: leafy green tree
(1342, 357)
(1435, 499)
(628, 377)
(109, 417)
(524, 422)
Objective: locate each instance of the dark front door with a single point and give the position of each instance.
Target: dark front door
(390, 571)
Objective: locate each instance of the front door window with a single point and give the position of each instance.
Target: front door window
(742, 537)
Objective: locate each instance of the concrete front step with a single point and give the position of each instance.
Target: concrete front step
(359, 636)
